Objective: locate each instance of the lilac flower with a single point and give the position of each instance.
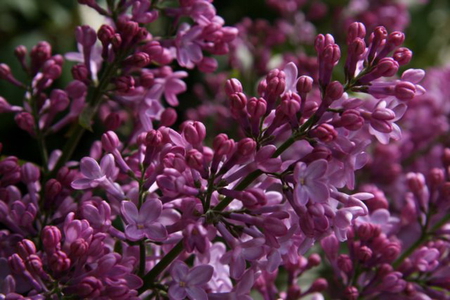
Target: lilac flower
(311, 183)
(382, 122)
(143, 222)
(187, 283)
(189, 51)
(170, 86)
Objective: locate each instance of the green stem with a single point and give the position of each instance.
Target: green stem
(39, 135)
(150, 278)
(142, 256)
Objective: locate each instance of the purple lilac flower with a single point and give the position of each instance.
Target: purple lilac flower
(311, 182)
(143, 222)
(188, 283)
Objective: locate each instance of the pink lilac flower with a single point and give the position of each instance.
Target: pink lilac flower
(170, 86)
(188, 283)
(143, 222)
(311, 182)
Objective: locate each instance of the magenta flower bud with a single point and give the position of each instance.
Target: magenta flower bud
(59, 100)
(78, 248)
(66, 176)
(51, 237)
(402, 55)
(138, 60)
(194, 159)
(29, 173)
(238, 101)
(246, 146)
(153, 49)
(364, 253)
(383, 114)
(16, 264)
(105, 34)
(262, 86)
(76, 89)
(116, 41)
(80, 72)
(354, 31)
(436, 177)
(387, 67)
(39, 54)
(20, 52)
(290, 104)
(276, 83)
(25, 122)
(367, 231)
(351, 119)
(345, 263)
(319, 285)
(331, 55)
(334, 90)
(147, 79)
(112, 121)
(322, 41)
(25, 248)
(324, 132)
(33, 264)
(208, 64)
(314, 260)
(391, 251)
(110, 141)
(51, 69)
(89, 288)
(85, 36)
(222, 145)
(256, 107)
(124, 84)
(416, 182)
(351, 293)
(52, 188)
(194, 132)
(168, 117)
(404, 90)
(5, 71)
(154, 138)
(59, 261)
(304, 84)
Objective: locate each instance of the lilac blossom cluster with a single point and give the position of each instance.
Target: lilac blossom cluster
(155, 212)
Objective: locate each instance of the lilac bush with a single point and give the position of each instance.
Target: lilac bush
(322, 175)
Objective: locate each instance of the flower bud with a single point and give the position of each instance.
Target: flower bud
(233, 86)
(238, 101)
(364, 253)
(207, 64)
(194, 132)
(110, 141)
(324, 132)
(222, 145)
(344, 263)
(194, 159)
(138, 60)
(319, 285)
(80, 72)
(403, 56)
(355, 30)
(351, 119)
(153, 49)
(246, 146)
(154, 138)
(168, 117)
(51, 237)
(334, 90)
(25, 122)
(59, 100)
(85, 36)
(304, 84)
(112, 121)
(5, 71)
(124, 84)
(52, 188)
(256, 107)
(351, 293)
(404, 91)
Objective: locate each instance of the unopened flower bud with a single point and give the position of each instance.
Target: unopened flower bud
(154, 138)
(25, 122)
(78, 248)
(207, 64)
(324, 132)
(138, 60)
(25, 248)
(304, 84)
(194, 159)
(351, 119)
(364, 253)
(238, 101)
(404, 90)
(112, 121)
(105, 34)
(80, 72)
(319, 285)
(168, 117)
(402, 55)
(355, 30)
(85, 36)
(51, 237)
(5, 71)
(153, 49)
(52, 188)
(222, 145)
(345, 263)
(59, 100)
(194, 132)
(256, 107)
(351, 293)
(110, 141)
(334, 90)
(246, 146)
(124, 83)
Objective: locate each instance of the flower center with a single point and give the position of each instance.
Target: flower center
(140, 226)
(182, 283)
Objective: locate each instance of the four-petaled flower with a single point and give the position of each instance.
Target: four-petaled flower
(143, 222)
(311, 183)
(187, 283)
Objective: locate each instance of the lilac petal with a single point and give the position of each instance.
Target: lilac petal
(237, 267)
(245, 284)
(317, 169)
(291, 76)
(90, 168)
(133, 233)
(108, 165)
(150, 211)
(196, 293)
(300, 170)
(156, 232)
(317, 191)
(177, 292)
(343, 219)
(199, 275)
(179, 271)
(129, 212)
(413, 75)
(83, 184)
(252, 253)
(300, 195)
